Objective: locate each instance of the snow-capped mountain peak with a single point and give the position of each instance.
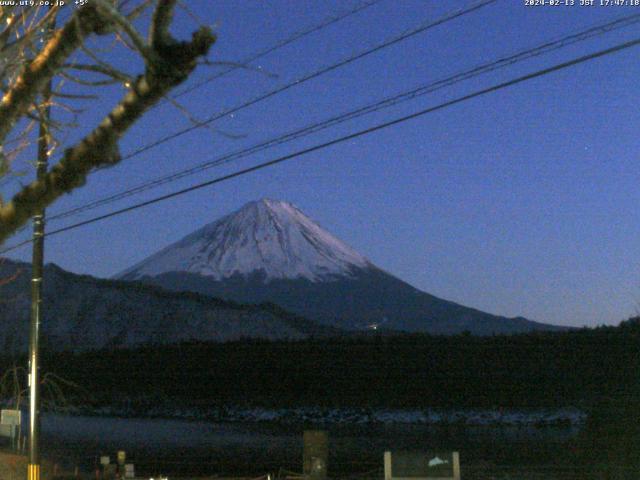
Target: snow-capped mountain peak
(267, 236)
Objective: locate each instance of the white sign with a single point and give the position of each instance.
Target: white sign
(10, 417)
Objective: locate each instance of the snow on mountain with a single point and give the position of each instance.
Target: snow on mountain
(268, 236)
(269, 251)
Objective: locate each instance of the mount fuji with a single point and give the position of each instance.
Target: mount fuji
(269, 237)
(269, 251)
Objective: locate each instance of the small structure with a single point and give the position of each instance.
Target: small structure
(421, 466)
(129, 470)
(120, 470)
(10, 421)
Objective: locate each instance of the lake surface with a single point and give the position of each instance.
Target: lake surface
(180, 447)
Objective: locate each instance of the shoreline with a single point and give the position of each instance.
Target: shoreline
(536, 418)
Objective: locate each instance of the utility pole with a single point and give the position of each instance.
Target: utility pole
(44, 144)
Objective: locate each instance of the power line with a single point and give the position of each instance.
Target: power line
(287, 41)
(444, 19)
(424, 27)
(502, 62)
(360, 133)
(262, 53)
(452, 15)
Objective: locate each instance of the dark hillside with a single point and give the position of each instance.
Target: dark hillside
(560, 369)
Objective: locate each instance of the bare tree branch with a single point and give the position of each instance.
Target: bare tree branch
(106, 70)
(159, 33)
(137, 11)
(118, 19)
(172, 63)
(46, 64)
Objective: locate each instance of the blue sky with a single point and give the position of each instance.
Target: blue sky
(521, 202)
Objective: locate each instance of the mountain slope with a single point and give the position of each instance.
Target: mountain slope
(269, 236)
(270, 251)
(82, 312)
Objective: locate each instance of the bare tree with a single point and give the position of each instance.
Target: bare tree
(14, 391)
(74, 55)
